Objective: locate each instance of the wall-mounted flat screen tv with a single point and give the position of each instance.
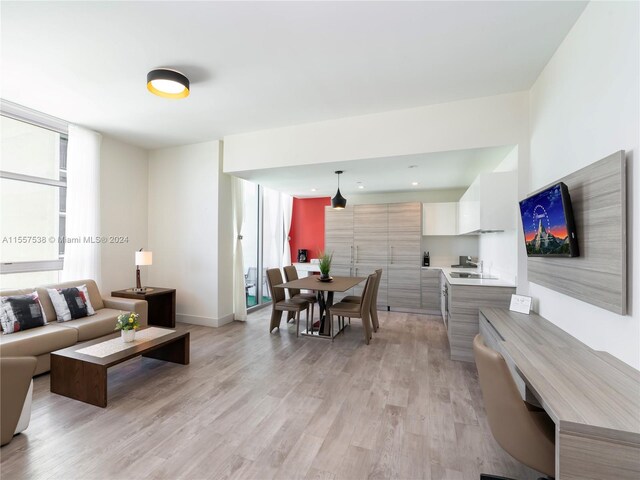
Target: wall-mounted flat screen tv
(547, 219)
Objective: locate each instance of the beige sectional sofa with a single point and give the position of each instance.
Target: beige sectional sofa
(39, 342)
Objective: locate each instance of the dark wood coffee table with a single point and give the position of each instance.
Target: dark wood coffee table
(84, 377)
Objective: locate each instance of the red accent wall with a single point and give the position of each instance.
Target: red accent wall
(307, 226)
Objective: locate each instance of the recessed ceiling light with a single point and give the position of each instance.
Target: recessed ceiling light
(314, 190)
(361, 186)
(167, 83)
(413, 166)
(414, 183)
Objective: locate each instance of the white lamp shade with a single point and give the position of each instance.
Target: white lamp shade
(144, 258)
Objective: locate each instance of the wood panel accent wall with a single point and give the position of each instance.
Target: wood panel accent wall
(599, 275)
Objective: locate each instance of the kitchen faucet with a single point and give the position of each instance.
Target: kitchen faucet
(479, 265)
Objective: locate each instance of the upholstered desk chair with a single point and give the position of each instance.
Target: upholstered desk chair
(527, 435)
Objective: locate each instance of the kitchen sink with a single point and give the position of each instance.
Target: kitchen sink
(477, 276)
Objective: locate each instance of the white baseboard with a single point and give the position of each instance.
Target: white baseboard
(224, 320)
(204, 321)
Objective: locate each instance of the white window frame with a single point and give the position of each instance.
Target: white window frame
(42, 120)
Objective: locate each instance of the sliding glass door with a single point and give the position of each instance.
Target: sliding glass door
(262, 242)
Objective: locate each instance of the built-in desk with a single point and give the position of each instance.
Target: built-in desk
(593, 398)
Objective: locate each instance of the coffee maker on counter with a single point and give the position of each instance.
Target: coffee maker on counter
(302, 255)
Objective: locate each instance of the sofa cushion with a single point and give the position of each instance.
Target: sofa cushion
(37, 341)
(71, 303)
(20, 312)
(47, 306)
(98, 325)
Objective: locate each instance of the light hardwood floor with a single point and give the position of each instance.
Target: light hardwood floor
(255, 405)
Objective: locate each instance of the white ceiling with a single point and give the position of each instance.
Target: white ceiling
(266, 64)
(432, 171)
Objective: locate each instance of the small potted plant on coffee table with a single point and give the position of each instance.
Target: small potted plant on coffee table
(128, 323)
(325, 266)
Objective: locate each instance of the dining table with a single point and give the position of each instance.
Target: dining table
(325, 291)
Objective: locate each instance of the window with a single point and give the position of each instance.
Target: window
(33, 179)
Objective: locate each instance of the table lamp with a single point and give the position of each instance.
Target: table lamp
(142, 258)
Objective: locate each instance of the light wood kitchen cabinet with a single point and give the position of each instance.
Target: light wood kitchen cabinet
(370, 232)
(403, 287)
(465, 302)
(338, 235)
(405, 235)
(338, 240)
(365, 238)
(440, 218)
(431, 291)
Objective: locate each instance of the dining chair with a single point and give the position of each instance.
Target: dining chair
(280, 304)
(374, 301)
(290, 274)
(360, 310)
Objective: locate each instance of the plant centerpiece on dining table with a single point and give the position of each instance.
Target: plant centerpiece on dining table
(128, 323)
(325, 265)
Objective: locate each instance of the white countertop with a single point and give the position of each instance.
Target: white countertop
(308, 266)
(470, 281)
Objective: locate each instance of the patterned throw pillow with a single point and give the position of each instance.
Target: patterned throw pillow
(20, 312)
(71, 303)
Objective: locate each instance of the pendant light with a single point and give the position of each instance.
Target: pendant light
(167, 83)
(338, 202)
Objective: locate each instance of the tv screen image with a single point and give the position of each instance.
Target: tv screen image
(547, 219)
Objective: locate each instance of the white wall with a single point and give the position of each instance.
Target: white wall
(185, 230)
(123, 207)
(480, 122)
(585, 106)
(423, 196)
(499, 250)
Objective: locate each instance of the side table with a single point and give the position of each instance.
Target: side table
(161, 304)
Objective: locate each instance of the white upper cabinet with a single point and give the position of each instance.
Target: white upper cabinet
(440, 218)
(490, 204)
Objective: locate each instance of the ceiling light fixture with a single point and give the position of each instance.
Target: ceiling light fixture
(414, 184)
(167, 83)
(360, 186)
(338, 202)
(313, 190)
